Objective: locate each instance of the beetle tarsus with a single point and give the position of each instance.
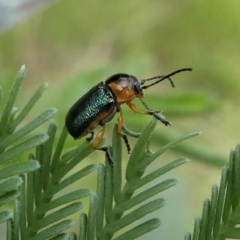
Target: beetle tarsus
(155, 114)
(127, 143)
(108, 155)
(158, 117)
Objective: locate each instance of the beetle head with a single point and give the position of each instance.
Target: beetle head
(125, 83)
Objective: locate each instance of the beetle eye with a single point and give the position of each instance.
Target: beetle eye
(137, 87)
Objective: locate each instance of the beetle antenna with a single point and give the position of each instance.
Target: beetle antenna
(163, 77)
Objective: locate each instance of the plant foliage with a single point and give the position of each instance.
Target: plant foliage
(36, 203)
(14, 142)
(221, 214)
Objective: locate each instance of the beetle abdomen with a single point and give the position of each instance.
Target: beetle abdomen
(90, 110)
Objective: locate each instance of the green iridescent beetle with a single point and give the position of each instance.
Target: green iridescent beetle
(100, 104)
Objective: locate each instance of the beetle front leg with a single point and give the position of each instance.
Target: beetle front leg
(151, 112)
(159, 117)
(97, 140)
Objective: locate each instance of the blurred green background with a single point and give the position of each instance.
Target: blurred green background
(76, 44)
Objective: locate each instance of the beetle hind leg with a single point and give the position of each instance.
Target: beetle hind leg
(136, 135)
(108, 155)
(124, 137)
(97, 140)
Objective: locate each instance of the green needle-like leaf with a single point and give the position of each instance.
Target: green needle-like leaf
(145, 195)
(82, 153)
(152, 157)
(83, 227)
(12, 116)
(10, 196)
(30, 198)
(53, 230)
(47, 155)
(236, 177)
(157, 173)
(204, 222)
(117, 170)
(61, 236)
(10, 185)
(108, 193)
(56, 216)
(18, 169)
(101, 200)
(211, 216)
(22, 213)
(17, 212)
(58, 150)
(28, 128)
(11, 99)
(140, 229)
(69, 197)
(92, 217)
(9, 229)
(230, 195)
(139, 151)
(5, 215)
(29, 106)
(220, 203)
(197, 225)
(66, 182)
(232, 233)
(135, 215)
(220, 216)
(23, 147)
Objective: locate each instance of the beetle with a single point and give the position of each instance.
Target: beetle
(100, 104)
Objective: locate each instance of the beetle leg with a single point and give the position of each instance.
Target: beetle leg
(133, 107)
(136, 135)
(159, 117)
(99, 137)
(155, 114)
(97, 140)
(90, 138)
(124, 137)
(108, 155)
